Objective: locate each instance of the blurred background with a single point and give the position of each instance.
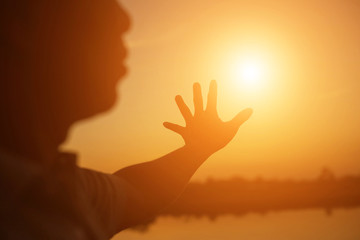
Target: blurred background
(296, 63)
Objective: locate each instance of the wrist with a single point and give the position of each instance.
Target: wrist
(197, 152)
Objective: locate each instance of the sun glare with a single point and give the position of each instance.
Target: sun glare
(249, 73)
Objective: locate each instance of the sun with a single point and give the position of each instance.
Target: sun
(249, 73)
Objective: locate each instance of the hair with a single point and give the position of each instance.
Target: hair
(58, 61)
(21, 83)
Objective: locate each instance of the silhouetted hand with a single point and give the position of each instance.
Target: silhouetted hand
(205, 132)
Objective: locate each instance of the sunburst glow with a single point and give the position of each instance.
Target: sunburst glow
(250, 73)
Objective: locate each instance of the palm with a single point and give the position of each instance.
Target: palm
(205, 131)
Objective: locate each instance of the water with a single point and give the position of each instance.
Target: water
(341, 224)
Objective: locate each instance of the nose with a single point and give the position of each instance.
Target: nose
(123, 19)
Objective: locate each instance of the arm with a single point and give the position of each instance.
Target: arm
(162, 180)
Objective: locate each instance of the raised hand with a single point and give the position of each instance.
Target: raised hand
(205, 132)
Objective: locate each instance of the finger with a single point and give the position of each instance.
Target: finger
(241, 117)
(198, 101)
(174, 127)
(212, 97)
(185, 111)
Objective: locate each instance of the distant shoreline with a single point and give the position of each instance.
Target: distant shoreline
(240, 196)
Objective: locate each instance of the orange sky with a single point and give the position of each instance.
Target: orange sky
(306, 112)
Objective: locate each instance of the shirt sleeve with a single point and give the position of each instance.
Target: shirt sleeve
(116, 203)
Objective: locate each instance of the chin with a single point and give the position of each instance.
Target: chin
(103, 105)
(97, 100)
(110, 102)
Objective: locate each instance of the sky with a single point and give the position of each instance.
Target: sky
(306, 100)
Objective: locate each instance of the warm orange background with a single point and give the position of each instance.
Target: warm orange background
(306, 112)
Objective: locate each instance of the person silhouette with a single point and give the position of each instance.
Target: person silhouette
(60, 63)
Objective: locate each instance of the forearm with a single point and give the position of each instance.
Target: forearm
(162, 180)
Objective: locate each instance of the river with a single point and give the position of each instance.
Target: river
(313, 224)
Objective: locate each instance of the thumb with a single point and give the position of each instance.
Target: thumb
(241, 117)
(174, 127)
